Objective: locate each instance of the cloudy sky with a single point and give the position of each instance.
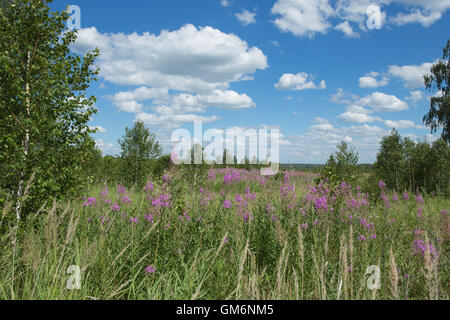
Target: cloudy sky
(315, 69)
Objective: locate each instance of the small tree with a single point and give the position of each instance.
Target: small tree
(438, 80)
(390, 162)
(342, 165)
(138, 147)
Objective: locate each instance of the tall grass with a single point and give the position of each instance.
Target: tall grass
(281, 244)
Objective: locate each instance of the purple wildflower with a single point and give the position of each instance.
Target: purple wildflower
(227, 204)
(150, 269)
(148, 187)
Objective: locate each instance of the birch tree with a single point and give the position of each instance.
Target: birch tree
(44, 110)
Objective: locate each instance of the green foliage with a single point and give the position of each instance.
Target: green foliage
(44, 111)
(341, 166)
(403, 164)
(138, 146)
(159, 166)
(438, 80)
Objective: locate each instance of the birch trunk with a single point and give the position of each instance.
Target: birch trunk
(26, 141)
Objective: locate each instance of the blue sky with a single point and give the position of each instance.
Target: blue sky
(311, 68)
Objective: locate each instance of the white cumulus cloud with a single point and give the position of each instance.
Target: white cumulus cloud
(412, 75)
(246, 17)
(302, 17)
(347, 29)
(188, 59)
(370, 80)
(379, 101)
(299, 81)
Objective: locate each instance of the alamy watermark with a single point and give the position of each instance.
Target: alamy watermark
(74, 280)
(187, 150)
(373, 282)
(374, 17)
(74, 21)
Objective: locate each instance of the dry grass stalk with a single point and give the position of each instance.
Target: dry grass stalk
(431, 272)
(393, 275)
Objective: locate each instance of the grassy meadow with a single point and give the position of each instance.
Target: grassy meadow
(231, 235)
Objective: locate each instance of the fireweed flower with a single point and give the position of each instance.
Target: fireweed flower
(126, 199)
(242, 204)
(355, 204)
(386, 201)
(247, 217)
(201, 190)
(162, 201)
(405, 196)
(321, 203)
(420, 247)
(134, 220)
(227, 178)
(419, 212)
(148, 187)
(120, 189)
(91, 202)
(150, 269)
(419, 198)
(104, 192)
(373, 236)
(361, 238)
(304, 225)
(381, 184)
(149, 217)
(227, 204)
(238, 197)
(186, 217)
(115, 208)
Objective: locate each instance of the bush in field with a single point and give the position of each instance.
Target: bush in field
(44, 111)
(390, 163)
(138, 146)
(341, 166)
(160, 165)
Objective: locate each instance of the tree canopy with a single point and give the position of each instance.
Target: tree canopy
(138, 145)
(438, 81)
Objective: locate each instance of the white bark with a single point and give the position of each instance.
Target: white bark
(26, 141)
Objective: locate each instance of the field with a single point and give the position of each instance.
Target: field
(232, 234)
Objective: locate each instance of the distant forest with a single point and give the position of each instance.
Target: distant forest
(316, 167)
